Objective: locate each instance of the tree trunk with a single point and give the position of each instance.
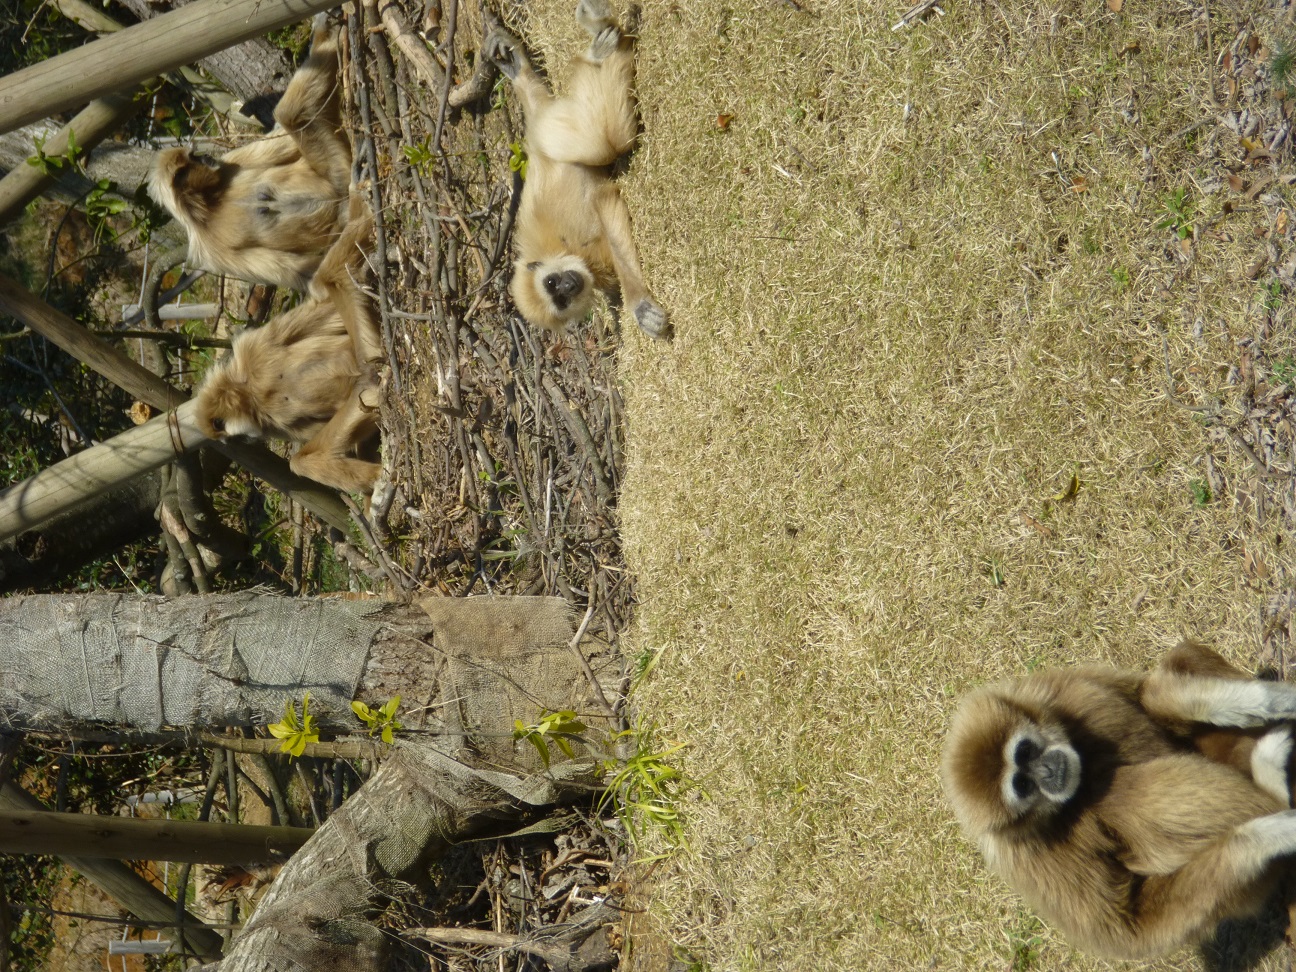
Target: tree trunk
(141, 52)
(123, 885)
(94, 471)
(38, 557)
(254, 67)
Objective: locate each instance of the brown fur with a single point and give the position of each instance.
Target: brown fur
(269, 211)
(573, 229)
(1170, 828)
(305, 377)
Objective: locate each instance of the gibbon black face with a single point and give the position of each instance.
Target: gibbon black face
(1039, 775)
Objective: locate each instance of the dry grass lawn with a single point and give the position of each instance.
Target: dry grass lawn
(918, 285)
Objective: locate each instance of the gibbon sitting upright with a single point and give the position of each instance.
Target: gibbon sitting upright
(309, 376)
(269, 210)
(573, 228)
(1133, 811)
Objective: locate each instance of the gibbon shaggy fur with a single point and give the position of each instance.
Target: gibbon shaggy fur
(1132, 811)
(269, 210)
(309, 376)
(573, 229)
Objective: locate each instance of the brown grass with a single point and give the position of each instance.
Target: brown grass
(902, 328)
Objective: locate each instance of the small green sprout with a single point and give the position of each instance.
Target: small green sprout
(381, 720)
(560, 727)
(518, 159)
(295, 733)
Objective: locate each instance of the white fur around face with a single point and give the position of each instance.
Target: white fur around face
(240, 425)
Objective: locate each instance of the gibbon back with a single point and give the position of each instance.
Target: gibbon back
(269, 210)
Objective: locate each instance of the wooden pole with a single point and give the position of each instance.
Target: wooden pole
(128, 57)
(99, 119)
(131, 839)
(18, 302)
(98, 469)
(123, 885)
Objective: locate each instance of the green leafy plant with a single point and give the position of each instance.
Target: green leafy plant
(381, 720)
(1178, 210)
(1201, 493)
(518, 159)
(1281, 64)
(1120, 278)
(647, 789)
(1024, 942)
(419, 156)
(1284, 371)
(50, 165)
(560, 728)
(294, 732)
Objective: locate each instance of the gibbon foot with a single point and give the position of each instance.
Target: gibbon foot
(596, 17)
(651, 319)
(506, 51)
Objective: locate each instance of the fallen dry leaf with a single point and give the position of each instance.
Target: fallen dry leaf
(1235, 182)
(1115, 5)
(723, 120)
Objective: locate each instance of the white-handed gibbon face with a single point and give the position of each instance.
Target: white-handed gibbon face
(555, 292)
(1041, 771)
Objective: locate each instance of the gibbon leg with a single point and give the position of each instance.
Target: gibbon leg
(1214, 884)
(614, 219)
(324, 458)
(333, 282)
(310, 108)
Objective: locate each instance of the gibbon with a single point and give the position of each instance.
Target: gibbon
(573, 228)
(1133, 811)
(309, 376)
(269, 210)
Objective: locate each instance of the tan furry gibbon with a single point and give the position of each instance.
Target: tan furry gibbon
(309, 376)
(573, 229)
(269, 210)
(1133, 811)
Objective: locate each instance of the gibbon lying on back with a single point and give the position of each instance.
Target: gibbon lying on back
(269, 211)
(1133, 811)
(306, 375)
(573, 228)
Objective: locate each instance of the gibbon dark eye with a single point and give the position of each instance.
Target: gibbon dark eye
(263, 211)
(551, 282)
(218, 424)
(1027, 751)
(1023, 786)
(264, 195)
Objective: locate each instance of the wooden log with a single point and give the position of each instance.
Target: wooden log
(132, 839)
(16, 301)
(123, 885)
(128, 57)
(98, 469)
(99, 119)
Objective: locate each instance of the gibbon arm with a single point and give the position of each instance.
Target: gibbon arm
(1196, 839)
(1215, 701)
(614, 220)
(324, 458)
(333, 283)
